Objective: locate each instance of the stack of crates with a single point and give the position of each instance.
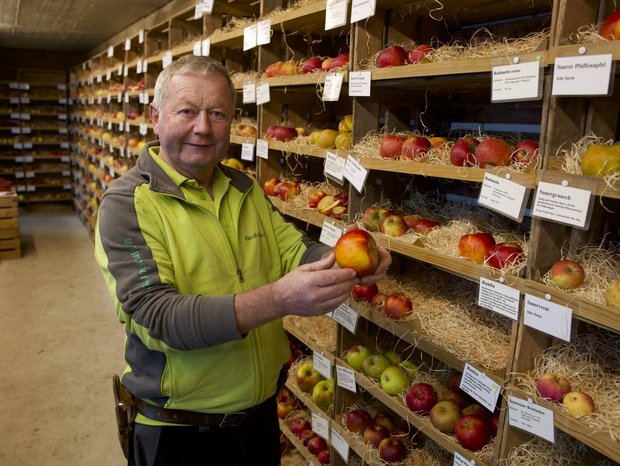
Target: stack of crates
(10, 243)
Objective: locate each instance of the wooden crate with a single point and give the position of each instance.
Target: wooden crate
(10, 243)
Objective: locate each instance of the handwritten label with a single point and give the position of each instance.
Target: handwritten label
(346, 316)
(249, 93)
(477, 385)
(322, 365)
(335, 14)
(247, 151)
(359, 83)
(263, 32)
(166, 59)
(550, 318)
(499, 298)
(571, 206)
(582, 75)
(249, 37)
(355, 172)
(362, 9)
(331, 89)
(345, 378)
(262, 149)
(532, 418)
(340, 445)
(320, 425)
(206, 47)
(197, 49)
(262, 94)
(503, 196)
(334, 166)
(203, 7)
(517, 82)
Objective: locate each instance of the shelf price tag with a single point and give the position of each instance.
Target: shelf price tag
(14, 100)
(249, 93)
(582, 75)
(499, 298)
(262, 149)
(334, 166)
(547, 317)
(355, 172)
(143, 129)
(247, 151)
(521, 81)
(197, 48)
(345, 378)
(335, 14)
(249, 37)
(127, 44)
(322, 365)
(24, 100)
(108, 75)
(141, 36)
(139, 66)
(262, 94)
(362, 9)
(503, 196)
(563, 204)
(166, 59)
(359, 83)
(346, 316)
(330, 233)
(206, 47)
(331, 89)
(320, 425)
(477, 385)
(110, 51)
(203, 7)
(460, 460)
(340, 445)
(263, 32)
(532, 418)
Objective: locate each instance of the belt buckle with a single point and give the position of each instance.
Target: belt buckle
(231, 416)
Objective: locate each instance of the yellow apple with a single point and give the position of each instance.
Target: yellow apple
(343, 141)
(327, 138)
(346, 124)
(578, 403)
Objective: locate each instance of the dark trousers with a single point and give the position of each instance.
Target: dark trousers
(256, 442)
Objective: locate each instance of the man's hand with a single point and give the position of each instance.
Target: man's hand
(385, 259)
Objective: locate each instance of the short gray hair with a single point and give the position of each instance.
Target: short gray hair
(190, 64)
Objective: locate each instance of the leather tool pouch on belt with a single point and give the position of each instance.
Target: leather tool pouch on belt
(125, 412)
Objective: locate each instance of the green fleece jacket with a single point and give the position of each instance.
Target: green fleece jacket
(173, 259)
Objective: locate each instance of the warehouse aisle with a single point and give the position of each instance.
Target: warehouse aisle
(61, 344)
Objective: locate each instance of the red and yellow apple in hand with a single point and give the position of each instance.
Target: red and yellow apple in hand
(357, 250)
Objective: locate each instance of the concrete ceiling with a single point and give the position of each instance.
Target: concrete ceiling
(68, 25)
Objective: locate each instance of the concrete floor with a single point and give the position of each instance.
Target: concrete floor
(61, 344)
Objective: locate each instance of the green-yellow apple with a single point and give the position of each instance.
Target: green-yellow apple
(356, 355)
(409, 366)
(323, 393)
(373, 217)
(612, 294)
(394, 380)
(357, 250)
(578, 403)
(393, 356)
(393, 225)
(374, 365)
(444, 415)
(307, 377)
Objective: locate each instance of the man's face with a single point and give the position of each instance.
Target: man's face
(193, 123)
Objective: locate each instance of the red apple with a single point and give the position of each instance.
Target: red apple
(417, 54)
(392, 56)
(326, 64)
(298, 425)
(525, 151)
(274, 69)
(357, 250)
(493, 151)
(421, 397)
(270, 186)
(310, 65)
(477, 408)
(338, 212)
(284, 409)
(567, 274)
(454, 382)
(364, 293)
(392, 450)
(393, 225)
(443, 416)
(343, 198)
(475, 246)
(314, 197)
(324, 457)
(553, 386)
(306, 436)
(316, 445)
(424, 225)
(373, 217)
(611, 27)
(391, 146)
(379, 300)
(501, 255)
(472, 432)
(386, 420)
(357, 420)
(462, 152)
(411, 220)
(397, 306)
(340, 61)
(374, 433)
(280, 133)
(287, 189)
(414, 148)
(326, 205)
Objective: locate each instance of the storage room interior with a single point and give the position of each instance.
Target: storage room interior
(476, 140)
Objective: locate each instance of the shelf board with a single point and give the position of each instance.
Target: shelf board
(594, 184)
(313, 460)
(595, 48)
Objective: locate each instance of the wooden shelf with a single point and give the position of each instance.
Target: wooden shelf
(595, 184)
(313, 460)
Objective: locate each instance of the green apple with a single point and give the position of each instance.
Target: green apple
(394, 380)
(356, 355)
(307, 377)
(409, 366)
(393, 356)
(374, 365)
(323, 393)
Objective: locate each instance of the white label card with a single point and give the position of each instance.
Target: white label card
(263, 32)
(516, 82)
(206, 47)
(355, 172)
(262, 94)
(359, 83)
(334, 166)
(346, 316)
(127, 44)
(582, 75)
(532, 418)
(332, 86)
(503, 196)
(203, 7)
(460, 460)
(499, 298)
(571, 206)
(249, 93)
(335, 14)
(340, 445)
(197, 49)
(141, 36)
(262, 149)
(139, 66)
(550, 318)
(477, 385)
(166, 59)
(249, 37)
(110, 51)
(362, 9)
(330, 233)
(143, 129)
(247, 151)
(345, 378)
(320, 425)
(322, 365)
